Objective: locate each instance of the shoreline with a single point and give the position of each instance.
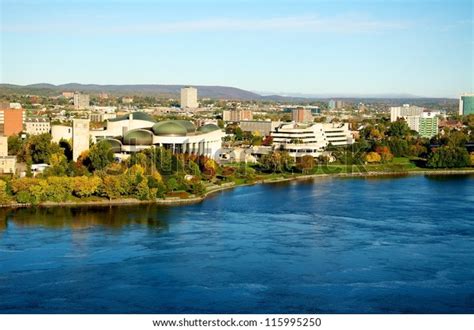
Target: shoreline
(172, 201)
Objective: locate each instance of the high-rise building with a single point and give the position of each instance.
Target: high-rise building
(466, 104)
(418, 119)
(189, 98)
(81, 101)
(11, 119)
(332, 104)
(404, 111)
(428, 124)
(80, 137)
(302, 115)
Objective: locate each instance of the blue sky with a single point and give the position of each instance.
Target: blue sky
(317, 47)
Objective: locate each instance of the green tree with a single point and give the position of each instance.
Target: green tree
(193, 169)
(4, 198)
(142, 190)
(448, 157)
(66, 146)
(15, 145)
(398, 146)
(57, 189)
(172, 184)
(39, 148)
(101, 155)
(164, 161)
(398, 128)
(257, 140)
(239, 134)
(196, 187)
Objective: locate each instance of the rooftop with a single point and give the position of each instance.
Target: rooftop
(136, 115)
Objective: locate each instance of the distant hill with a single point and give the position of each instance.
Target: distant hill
(215, 92)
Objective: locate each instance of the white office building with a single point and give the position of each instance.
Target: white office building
(310, 139)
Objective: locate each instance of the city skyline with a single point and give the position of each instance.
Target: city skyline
(422, 48)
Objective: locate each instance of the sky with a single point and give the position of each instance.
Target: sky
(422, 47)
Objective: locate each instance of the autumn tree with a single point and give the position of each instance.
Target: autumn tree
(277, 162)
(373, 157)
(305, 164)
(384, 153)
(58, 165)
(267, 141)
(111, 187)
(84, 186)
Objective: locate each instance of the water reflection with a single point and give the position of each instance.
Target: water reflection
(448, 178)
(113, 217)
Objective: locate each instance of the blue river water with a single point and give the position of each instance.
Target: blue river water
(398, 245)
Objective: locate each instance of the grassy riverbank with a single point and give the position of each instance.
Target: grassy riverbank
(337, 171)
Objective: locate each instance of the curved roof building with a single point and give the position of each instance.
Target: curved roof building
(135, 116)
(138, 130)
(141, 137)
(170, 128)
(208, 128)
(186, 123)
(115, 144)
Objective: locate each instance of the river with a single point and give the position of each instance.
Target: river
(329, 245)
